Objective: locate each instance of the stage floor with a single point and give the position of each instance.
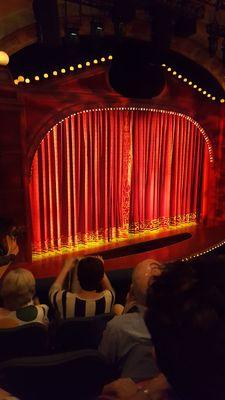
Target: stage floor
(202, 238)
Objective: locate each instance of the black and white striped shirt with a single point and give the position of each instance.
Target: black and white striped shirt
(70, 305)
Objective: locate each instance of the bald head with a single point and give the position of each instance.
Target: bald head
(142, 276)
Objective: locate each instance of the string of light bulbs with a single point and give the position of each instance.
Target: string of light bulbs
(146, 109)
(191, 84)
(87, 64)
(204, 252)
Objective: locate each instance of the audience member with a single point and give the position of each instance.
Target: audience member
(123, 333)
(92, 293)
(186, 318)
(19, 306)
(8, 244)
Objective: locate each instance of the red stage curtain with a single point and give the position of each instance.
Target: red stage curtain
(101, 173)
(167, 169)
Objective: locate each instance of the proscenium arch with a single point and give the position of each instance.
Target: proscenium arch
(155, 212)
(42, 133)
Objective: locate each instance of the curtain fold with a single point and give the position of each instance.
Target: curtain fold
(100, 174)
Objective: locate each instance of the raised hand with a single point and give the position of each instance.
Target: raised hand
(12, 245)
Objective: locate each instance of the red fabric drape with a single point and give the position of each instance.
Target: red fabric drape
(101, 173)
(167, 169)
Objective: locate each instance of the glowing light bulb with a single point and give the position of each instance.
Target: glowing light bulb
(169, 69)
(27, 80)
(103, 59)
(4, 58)
(63, 70)
(95, 61)
(110, 57)
(80, 66)
(16, 81)
(45, 76)
(36, 78)
(87, 63)
(71, 68)
(55, 73)
(20, 78)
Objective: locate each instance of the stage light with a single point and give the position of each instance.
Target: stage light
(16, 81)
(45, 75)
(80, 66)
(27, 80)
(97, 28)
(20, 78)
(87, 63)
(36, 78)
(72, 34)
(71, 68)
(55, 73)
(4, 58)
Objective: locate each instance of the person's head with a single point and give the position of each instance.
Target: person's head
(186, 319)
(142, 275)
(18, 288)
(90, 272)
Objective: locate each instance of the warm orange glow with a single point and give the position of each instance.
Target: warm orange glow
(98, 244)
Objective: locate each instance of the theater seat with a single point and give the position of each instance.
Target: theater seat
(80, 333)
(78, 375)
(24, 340)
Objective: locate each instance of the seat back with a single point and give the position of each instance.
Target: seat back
(80, 333)
(25, 340)
(77, 375)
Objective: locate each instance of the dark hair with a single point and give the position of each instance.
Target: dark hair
(186, 318)
(6, 225)
(90, 272)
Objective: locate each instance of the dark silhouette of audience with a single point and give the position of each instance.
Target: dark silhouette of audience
(185, 315)
(186, 319)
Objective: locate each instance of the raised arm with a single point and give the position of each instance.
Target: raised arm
(69, 263)
(106, 284)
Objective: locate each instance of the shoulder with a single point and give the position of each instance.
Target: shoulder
(107, 293)
(119, 321)
(32, 313)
